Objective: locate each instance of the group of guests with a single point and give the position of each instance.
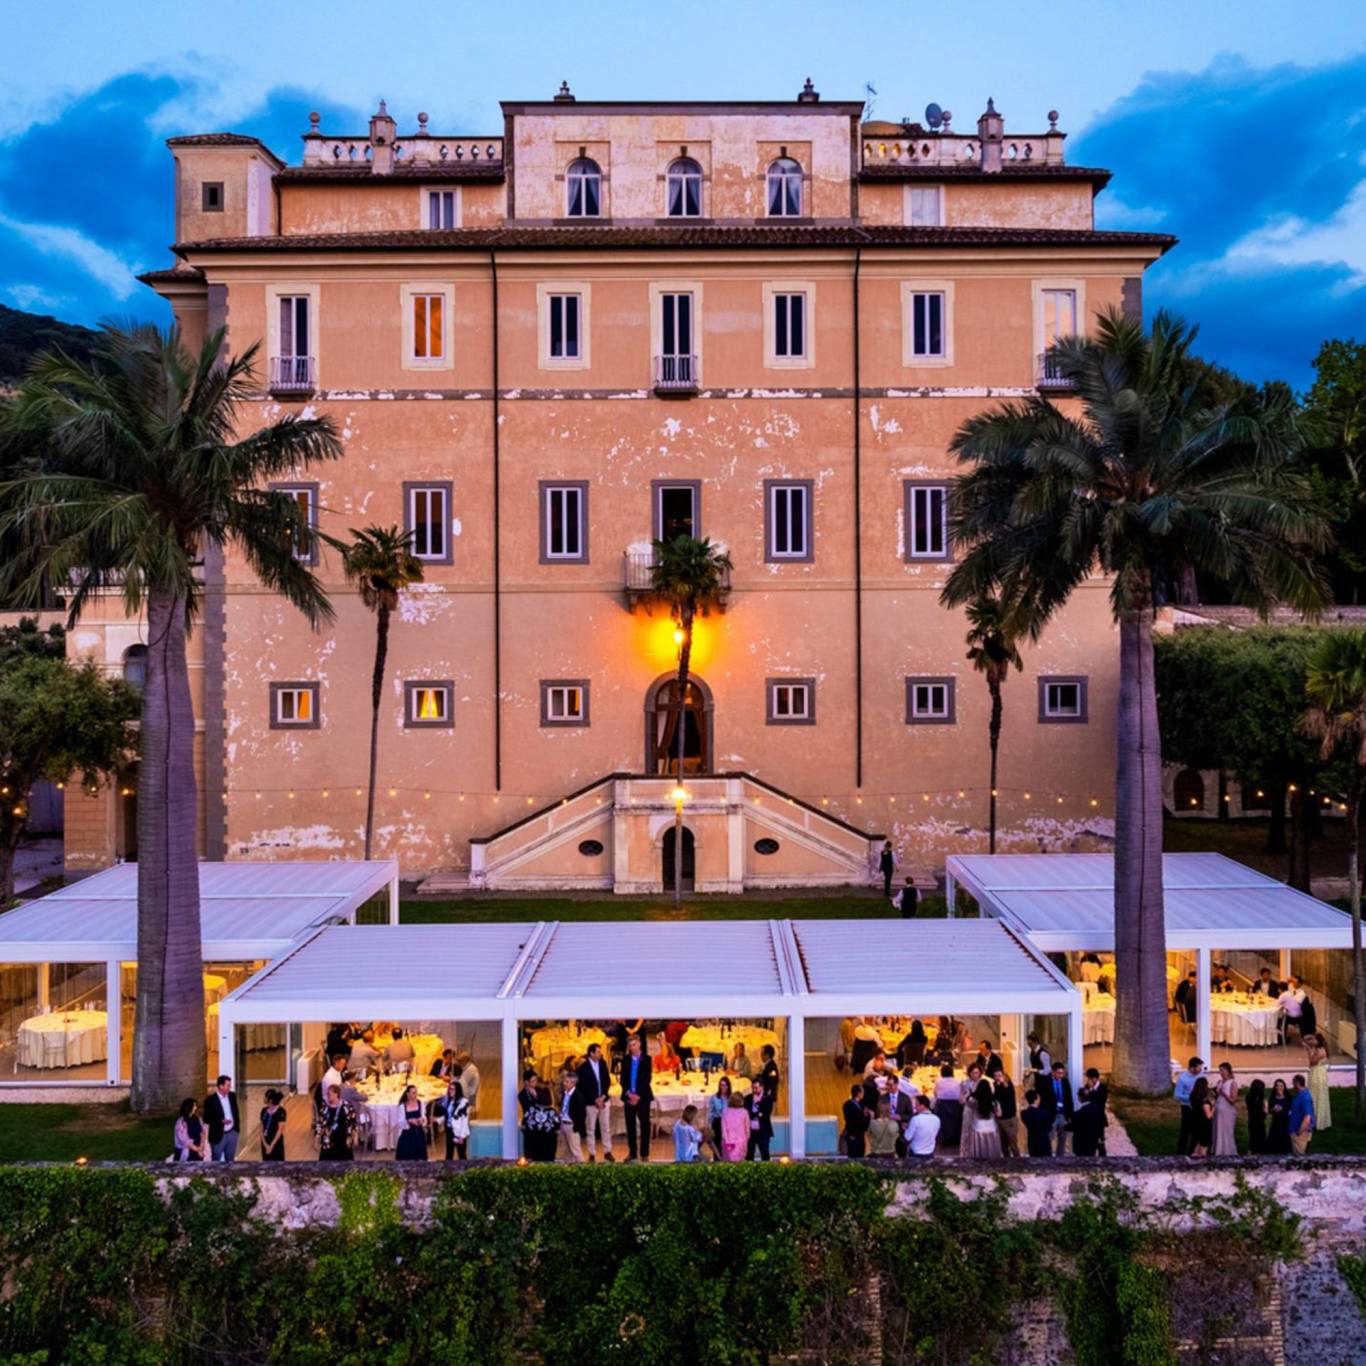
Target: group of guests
(1281, 1119)
(1293, 1000)
(211, 1131)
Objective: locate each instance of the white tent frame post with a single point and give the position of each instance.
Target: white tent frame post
(512, 1084)
(1204, 1009)
(796, 1085)
(113, 1019)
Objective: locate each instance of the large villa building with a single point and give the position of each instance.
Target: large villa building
(608, 323)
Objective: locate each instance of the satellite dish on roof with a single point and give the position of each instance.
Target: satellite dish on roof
(934, 115)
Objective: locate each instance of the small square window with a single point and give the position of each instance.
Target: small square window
(787, 516)
(427, 510)
(930, 702)
(305, 496)
(564, 523)
(212, 196)
(1062, 701)
(427, 704)
(294, 706)
(791, 701)
(564, 701)
(927, 521)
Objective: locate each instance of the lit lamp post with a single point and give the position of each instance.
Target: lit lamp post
(679, 795)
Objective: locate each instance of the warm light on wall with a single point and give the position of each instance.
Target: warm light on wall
(657, 640)
(428, 708)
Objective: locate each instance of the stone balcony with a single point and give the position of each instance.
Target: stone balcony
(383, 149)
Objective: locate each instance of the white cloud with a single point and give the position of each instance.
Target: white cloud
(1113, 212)
(32, 297)
(118, 276)
(1294, 241)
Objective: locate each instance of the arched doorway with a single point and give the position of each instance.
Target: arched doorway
(689, 859)
(1188, 793)
(661, 726)
(127, 832)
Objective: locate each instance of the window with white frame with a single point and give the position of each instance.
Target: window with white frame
(427, 703)
(564, 523)
(564, 702)
(787, 515)
(927, 324)
(789, 326)
(925, 206)
(927, 521)
(305, 499)
(429, 327)
(294, 706)
(929, 701)
(784, 189)
(292, 366)
(1062, 700)
(683, 189)
(1059, 315)
(565, 324)
(583, 189)
(791, 701)
(441, 208)
(427, 514)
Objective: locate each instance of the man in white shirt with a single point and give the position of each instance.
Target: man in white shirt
(333, 1075)
(468, 1076)
(922, 1133)
(572, 1117)
(1291, 1002)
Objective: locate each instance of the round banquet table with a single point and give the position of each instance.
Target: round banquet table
(674, 1094)
(63, 1039)
(384, 1105)
(1098, 1017)
(554, 1045)
(215, 987)
(427, 1048)
(1242, 1020)
(709, 1039)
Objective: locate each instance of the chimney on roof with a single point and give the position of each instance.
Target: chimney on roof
(991, 129)
(382, 133)
(808, 94)
(563, 95)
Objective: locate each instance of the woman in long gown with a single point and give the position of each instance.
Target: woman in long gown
(412, 1142)
(1256, 1117)
(716, 1108)
(1278, 1106)
(273, 1128)
(1202, 1118)
(967, 1092)
(981, 1137)
(1225, 1112)
(735, 1130)
(540, 1123)
(1318, 1081)
(949, 1107)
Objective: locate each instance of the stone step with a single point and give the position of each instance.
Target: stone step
(450, 882)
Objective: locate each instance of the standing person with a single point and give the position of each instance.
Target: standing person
(452, 1113)
(1184, 998)
(412, 1139)
(967, 1093)
(1096, 1092)
(540, 1123)
(335, 1127)
(922, 1133)
(716, 1109)
(949, 1107)
(887, 866)
(190, 1143)
(768, 1073)
(1040, 1061)
(1007, 1112)
(735, 1131)
(332, 1077)
(1202, 1118)
(988, 1059)
(759, 1104)
(883, 1132)
(1318, 1081)
(1056, 1101)
(688, 1138)
(981, 1137)
(740, 1062)
(1278, 1131)
(1301, 1117)
(467, 1074)
(908, 898)
(856, 1122)
(1038, 1126)
(595, 1085)
(636, 1096)
(1225, 1112)
(273, 1128)
(1181, 1093)
(1256, 1117)
(224, 1120)
(573, 1116)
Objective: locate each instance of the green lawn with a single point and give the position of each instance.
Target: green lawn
(1154, 1124)
(1245, 840)
(62, 1133)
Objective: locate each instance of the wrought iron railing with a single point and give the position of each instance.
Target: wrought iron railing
(292, 375)
(676, 374)
(1051, 374)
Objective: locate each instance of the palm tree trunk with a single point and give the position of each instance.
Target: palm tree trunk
(1299, 839)
(684, 658)
(169, 1060)
(1275, 831)
(995, 733)
(1142, 1037)
(1358, 967)
(376, 695)
(9, 845)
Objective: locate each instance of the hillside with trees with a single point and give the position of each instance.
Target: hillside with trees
(24, 335)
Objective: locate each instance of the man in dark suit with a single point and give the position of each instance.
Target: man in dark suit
(768, 1073)
(1055, 1100)
(988, 1060)
(1094, 1092)
(636, 1095)
(855, 1123)
(1184, 998)
(1266, 985)
(223, 1120)
(760, 1106)
(595, 1086)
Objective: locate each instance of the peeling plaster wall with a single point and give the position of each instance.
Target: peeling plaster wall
(386, 207)
(976, 204)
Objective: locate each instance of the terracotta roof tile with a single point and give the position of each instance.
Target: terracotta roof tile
(214, 140)
(342, 173)
(172, 275)
(873, 173)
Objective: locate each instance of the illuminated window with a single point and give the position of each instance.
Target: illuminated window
(791, 701)
(294, 706)
(305, 498)
(427, 703)
(429, 334)
(564, 701)
(427, 509)
(929, 702)
(1062, 700)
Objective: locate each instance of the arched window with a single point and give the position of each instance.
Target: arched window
(135, 666)
(584, 189)
(684, 186)
(1188, 792)
(784, 189)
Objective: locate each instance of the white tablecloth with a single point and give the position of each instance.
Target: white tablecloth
(553, 1046)
(1242, 1021)
(215, 987)
(384, 1106)
(427, 1048)
(1097, 1015)
(709, 1039)
(258, 1036)
(64, 1039)
(674, 1094)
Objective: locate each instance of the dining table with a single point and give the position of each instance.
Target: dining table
(63, 1038)
(553, 1046)
(382, 1112)
(722, 1039)
(1243, 1019)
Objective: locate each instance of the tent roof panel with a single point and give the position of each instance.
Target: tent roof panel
(1042, 872)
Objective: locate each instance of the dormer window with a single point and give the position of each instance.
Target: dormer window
(784, 189)
(684, 186)
(583, 189)
(212, 196)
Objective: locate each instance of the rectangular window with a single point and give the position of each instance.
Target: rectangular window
(294, 706)
(787, 511)
(305, 496)
(440, 208)
(791, 701)
(927, 522)
(294, 326)
(677, 510)
(564, 523)
(212, 200)
(427, 704)
(676, 324)
(1062, 700)
(929, 701)
(429, 333)
(926, 206)
(927, 324)
(564, 701)
(565, 335)
(789, 326)
(1059, 315)
(427, 510)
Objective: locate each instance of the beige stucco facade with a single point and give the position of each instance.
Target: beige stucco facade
(857, 418)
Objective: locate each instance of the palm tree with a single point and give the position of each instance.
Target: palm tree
(381, 563)
(1335, 685)
(130, 475)
(1151, 474)
(691, 576)
(993, 650)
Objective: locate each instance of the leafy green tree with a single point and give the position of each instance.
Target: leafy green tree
(131, 474)
(690, 576)
(994, 633)
(27, 640)
(1336, 408)
(381, 563)
(1336, 718)
(1146, 477)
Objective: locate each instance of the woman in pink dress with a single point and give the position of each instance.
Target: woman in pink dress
(734, 1130)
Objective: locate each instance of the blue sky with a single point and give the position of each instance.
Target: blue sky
(1234, 124)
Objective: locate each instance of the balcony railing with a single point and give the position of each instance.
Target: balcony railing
(676, 374)
(292, 375)
(1051, 375)
(638, 575)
